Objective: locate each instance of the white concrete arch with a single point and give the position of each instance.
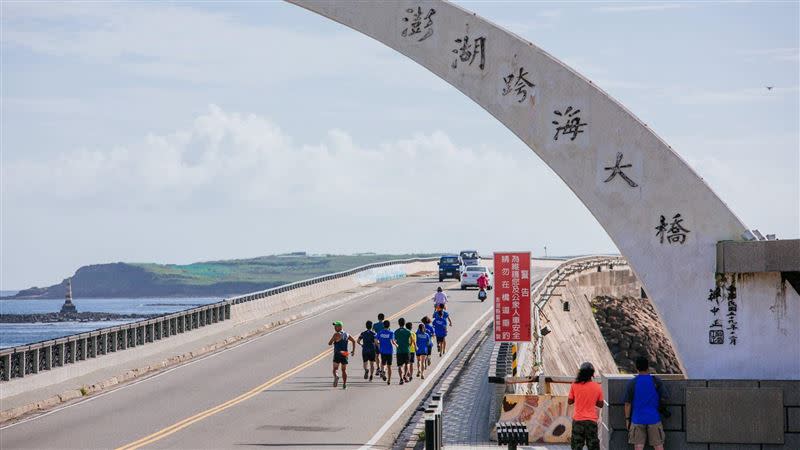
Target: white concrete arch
(582, 134)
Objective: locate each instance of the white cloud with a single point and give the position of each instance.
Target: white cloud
(247, 160)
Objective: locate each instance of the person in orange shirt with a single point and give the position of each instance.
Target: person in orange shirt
(587, 396)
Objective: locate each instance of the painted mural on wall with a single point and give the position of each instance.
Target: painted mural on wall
(723, 308)
(549, 417)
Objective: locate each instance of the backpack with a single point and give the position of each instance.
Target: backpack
(661, 390)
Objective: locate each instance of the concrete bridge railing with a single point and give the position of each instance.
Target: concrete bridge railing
(27, 360)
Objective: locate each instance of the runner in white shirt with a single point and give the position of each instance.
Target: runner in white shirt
(440, 298)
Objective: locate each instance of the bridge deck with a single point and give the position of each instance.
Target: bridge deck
(291, 403)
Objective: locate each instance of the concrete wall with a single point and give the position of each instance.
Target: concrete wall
(662, 216)
(615, 437)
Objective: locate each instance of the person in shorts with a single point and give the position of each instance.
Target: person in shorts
(429, 328)
(441, 320)
(377, 327)
(439, 298)
(587, 396)
(386, 343)
(423, 349)
(403, 338)
(642, 398)
(368, 341)
(412, 351)
(339, 341)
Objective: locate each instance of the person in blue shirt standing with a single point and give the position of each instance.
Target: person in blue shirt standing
(642, 398)
(441, 320)
(368, 341)
(423, 349)
(339, 341)
(387, 344)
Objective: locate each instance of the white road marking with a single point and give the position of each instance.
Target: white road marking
(194, 361)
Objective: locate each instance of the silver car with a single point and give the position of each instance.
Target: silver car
(470, 274)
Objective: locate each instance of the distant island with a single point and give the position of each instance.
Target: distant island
(201, 279)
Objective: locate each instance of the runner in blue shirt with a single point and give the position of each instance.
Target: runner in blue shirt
(423, 347)
(387, 344)
(369, 349)
(429, 328)
(377, 327)
(440, 324)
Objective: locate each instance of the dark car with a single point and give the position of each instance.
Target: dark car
(449, 267)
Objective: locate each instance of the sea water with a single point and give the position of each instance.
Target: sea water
(13, 334)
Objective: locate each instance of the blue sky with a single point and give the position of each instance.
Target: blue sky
(193, 131)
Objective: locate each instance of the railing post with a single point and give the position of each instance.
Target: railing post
(430, 429)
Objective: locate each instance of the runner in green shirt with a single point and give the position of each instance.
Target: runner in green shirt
(403, 338)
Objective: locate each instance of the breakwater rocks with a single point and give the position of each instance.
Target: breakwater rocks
(72, 317)
(632, 328)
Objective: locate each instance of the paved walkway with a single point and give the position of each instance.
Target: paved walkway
(466, 409)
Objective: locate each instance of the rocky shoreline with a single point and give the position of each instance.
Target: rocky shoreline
(73, 317)
(632, 328)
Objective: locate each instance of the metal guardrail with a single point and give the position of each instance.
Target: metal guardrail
(29, 359)
(503, 362)
(434, 434)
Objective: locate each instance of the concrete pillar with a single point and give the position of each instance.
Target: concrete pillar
(111, 341)
(35, 360)
(5, 367)
(80, 350)
(91, 347)
(214, 315)
(227, 312)
(122, 338)
(140, 335)
(69, 355)
(58, 359)
(47, 358)
(149, 332)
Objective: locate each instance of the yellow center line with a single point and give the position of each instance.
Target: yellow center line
(164, 432)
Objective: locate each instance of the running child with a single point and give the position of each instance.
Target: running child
(403, 338)
(368, 341)
(429, 328)
(387, 344)
(441, 320)
(339, 341)
(423, 349)
(411, 353)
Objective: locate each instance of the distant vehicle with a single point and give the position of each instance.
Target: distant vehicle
(469, 277)
(470, 258)
(449, 267)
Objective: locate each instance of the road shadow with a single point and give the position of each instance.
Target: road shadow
(307, 445)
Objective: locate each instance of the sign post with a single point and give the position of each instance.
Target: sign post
(512, 297)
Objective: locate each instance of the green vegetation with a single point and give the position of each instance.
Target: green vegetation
(203, 279)
(265, 269)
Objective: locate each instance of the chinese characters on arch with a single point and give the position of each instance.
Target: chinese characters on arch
(512, 297)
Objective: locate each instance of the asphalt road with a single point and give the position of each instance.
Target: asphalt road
(274, 391)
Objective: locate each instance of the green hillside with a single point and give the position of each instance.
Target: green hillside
(202, 279)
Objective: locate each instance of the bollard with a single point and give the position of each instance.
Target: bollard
(430, 429)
